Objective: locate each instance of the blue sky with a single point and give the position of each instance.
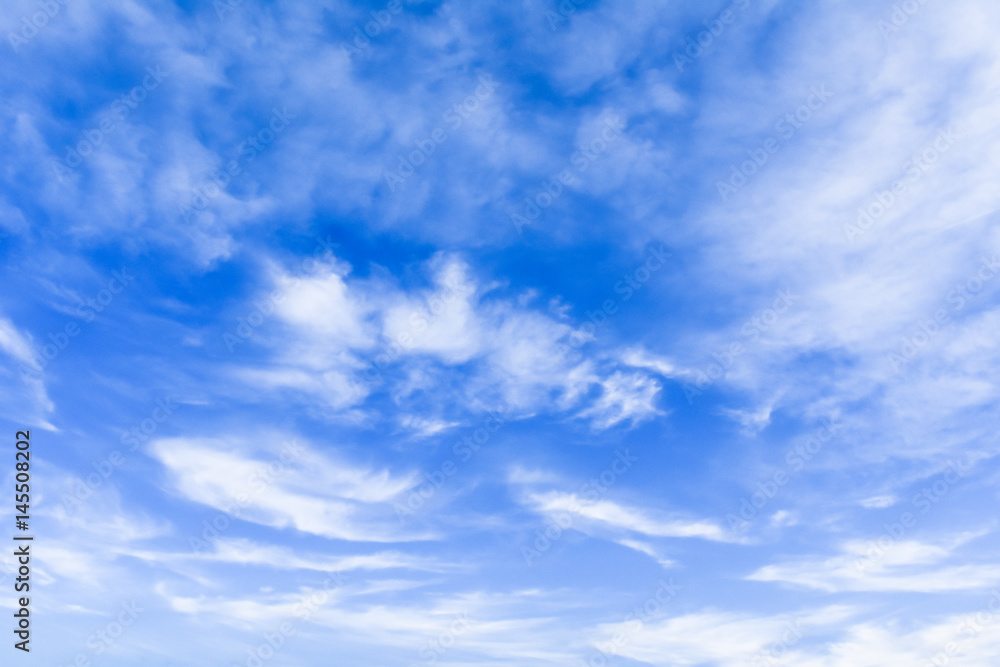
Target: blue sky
(550, 333)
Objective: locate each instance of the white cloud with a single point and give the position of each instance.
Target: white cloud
(694, 639)
(641, 358)
(247, 552)
(648, 549)
(609, 514)
(516, 626)
(23, 392)
(443, 322)
(322, 307)
(879, 502)
(297, 487)
(624, 397)
(901, 565)
(349, 337)
(16, 345)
